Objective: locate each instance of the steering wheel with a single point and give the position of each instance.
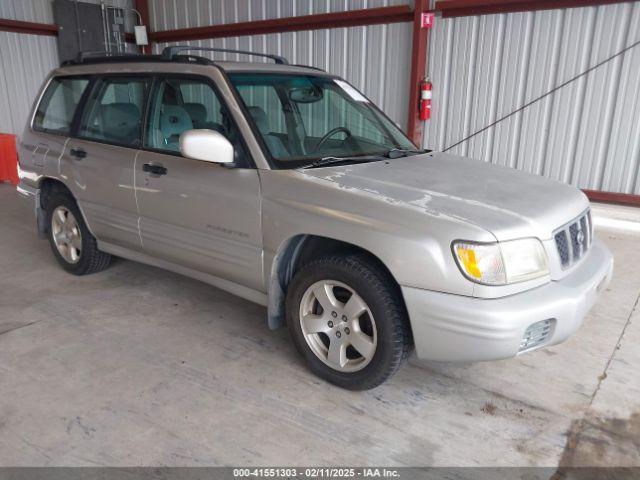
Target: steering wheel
(330, 134)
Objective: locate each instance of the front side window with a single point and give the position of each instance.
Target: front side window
(302, 118)
(181, 104)
(59, 102)
(114, 112)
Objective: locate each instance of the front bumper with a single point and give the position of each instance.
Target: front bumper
(456, 328)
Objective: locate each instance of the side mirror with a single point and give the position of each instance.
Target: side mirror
(206, 145)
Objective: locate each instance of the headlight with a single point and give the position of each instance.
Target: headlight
(501, 263)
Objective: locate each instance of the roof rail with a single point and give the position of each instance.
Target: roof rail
(114, 57)
(82, 57)
(308, 66)
(171, 52)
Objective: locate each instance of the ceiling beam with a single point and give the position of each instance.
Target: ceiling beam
(349, 18)
(613, 197)
(32, 28)
(462, 8)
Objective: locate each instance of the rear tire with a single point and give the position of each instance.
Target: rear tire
(73, 245)
(347, 318)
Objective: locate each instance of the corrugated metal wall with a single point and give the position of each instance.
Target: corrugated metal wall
(25, 60)
(482, 68)
(376, 58)
(41, 11)
(586, 134)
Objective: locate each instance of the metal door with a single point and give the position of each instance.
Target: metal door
(201, 215)
(98, 163)
(193, 213)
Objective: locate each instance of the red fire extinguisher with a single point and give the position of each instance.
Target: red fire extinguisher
(425, 100)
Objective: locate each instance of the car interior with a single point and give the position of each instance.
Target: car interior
(181, 105)
(296, 119)
(308, 117)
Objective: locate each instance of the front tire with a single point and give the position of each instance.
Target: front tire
(347, 318)
(73, 245)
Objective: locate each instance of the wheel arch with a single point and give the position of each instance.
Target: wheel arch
(298, 250)
(49, 186)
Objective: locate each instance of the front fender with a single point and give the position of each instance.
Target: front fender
(413, 244)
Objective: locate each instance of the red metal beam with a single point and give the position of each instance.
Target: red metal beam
(350, 18)
(461, 8)
(613, 197)
(418, 67)
(142, 6)
(31, 28)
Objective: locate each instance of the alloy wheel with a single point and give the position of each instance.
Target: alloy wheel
(66, 234)
(338, 326)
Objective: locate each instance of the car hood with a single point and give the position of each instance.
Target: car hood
(506, 202)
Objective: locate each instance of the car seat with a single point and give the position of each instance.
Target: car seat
(174, 120)
(274, 143)
(198, 114)
(121, 122)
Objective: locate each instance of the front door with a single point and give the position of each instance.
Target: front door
(197, 214)
(99, 161)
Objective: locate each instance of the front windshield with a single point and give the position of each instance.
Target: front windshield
(303, 118)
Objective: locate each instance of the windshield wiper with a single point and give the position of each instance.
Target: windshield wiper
(398, 152)
(390, 154)
(322, 162)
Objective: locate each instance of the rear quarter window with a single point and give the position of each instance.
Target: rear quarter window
(58, 105)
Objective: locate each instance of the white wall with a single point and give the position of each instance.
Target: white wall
(482, 68)
(25, 60)
(586, 134)
(376, 58)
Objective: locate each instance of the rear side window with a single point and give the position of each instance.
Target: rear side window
(58, 105)
(114, 111)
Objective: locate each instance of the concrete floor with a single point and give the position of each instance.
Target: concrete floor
(139, 366)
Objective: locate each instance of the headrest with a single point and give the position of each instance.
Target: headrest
(197, 111)
(120, 114)
(174, 120)
(261, 119)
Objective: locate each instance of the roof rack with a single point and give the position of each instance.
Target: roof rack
(84, 57)
(308, 66)
(114, 57)
(171, 53)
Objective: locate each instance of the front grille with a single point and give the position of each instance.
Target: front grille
(574, 239)
(535, 335)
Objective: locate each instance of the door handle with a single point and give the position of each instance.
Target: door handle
(78, 153)
(154, 169)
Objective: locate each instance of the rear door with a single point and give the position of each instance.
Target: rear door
(99, 160)
(44, 140)
(193, 213)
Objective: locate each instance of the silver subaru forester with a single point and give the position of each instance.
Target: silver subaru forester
(286, 186)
